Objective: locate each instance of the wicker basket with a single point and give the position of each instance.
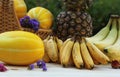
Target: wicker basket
(42, 33)
(8, 19)
(10, 22)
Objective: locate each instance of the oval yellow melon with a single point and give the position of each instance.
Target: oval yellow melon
(44, 16)
(20, 47)
(20, 8)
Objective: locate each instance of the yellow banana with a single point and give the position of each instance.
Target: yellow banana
(66, 53)
(102, 33)
(46, 57)
(62, 47)
(71, 62)
(76, 54)
(59, 43)
(89, 64)
(52, 49)
(110, 39)
(96, 62)
(97, 54)
(113, 51)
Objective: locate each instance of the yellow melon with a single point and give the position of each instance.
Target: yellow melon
(20, 47)
(20, 8)
(43, 15)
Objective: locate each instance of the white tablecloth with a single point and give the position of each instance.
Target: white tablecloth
(56, 70)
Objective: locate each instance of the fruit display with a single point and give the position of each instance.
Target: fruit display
(69, 41)
(74, 19)
(81, 54)
(20, 48)
(20, 8)
(73, 51)
(109, 41)
(43, 15)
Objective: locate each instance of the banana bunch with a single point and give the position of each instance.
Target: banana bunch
(107, 40)
(113, 51)
(52, 47)
(83, 53)
(111, 37)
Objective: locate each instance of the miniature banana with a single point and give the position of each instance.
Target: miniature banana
(66, 53)
(46, 57)
(113, 52)
(76, 54)
(96, 62)
(89, 64)
(102, 33)
(59, 43)
(62, 47)
(52, 49)
(97, 54)
(110, 39)
(71, 62)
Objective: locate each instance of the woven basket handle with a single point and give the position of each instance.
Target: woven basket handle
(8, 18)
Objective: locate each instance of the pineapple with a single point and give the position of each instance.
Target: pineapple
(74, 19)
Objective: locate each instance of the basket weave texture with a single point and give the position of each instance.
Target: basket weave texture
(42, 33)
(8, 18)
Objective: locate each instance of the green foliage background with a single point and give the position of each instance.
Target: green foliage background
(100, 10)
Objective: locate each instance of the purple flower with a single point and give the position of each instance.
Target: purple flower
(31, 66)
(35, 24)
(2, 68)
(29, 23)
(44, 68)
(27, 17)
(42, 64)
(34, 20)
(39, 63)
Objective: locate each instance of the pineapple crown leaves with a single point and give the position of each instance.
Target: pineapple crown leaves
(77, 4)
